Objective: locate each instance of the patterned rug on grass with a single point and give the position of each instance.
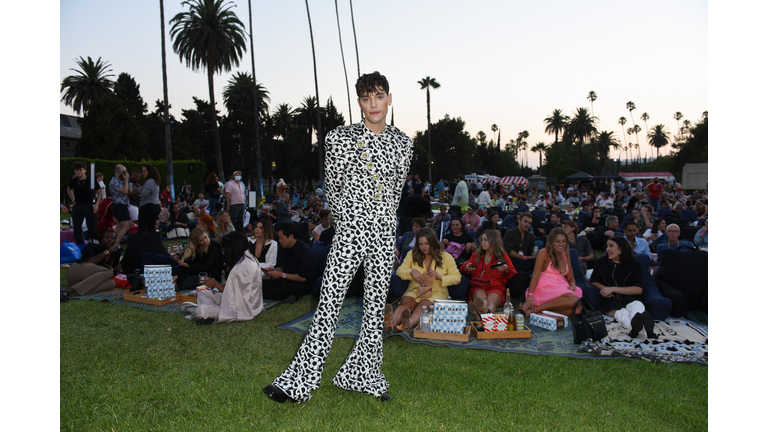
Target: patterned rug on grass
(116, 296)
(558, 342)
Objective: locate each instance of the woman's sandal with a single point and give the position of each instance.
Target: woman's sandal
(388, 324)
(480, 305)
(405, 321)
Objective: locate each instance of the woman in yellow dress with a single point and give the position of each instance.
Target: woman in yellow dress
(431, 271)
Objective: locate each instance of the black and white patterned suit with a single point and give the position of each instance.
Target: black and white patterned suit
(364, 173)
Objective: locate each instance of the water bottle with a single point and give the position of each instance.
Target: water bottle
(424, 319)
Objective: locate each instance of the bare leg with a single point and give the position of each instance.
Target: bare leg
(493, 301)
(407, 303)
(417, 312)
(562, 305)
(122, 229)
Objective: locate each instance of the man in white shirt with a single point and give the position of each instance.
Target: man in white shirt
(484, 199)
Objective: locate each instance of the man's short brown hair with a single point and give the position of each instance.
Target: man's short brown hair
(369, 83)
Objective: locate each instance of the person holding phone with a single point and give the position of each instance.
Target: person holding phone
(490, 268)
(118, 188)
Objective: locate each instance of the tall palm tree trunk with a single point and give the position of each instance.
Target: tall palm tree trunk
(257, 139)
(429, 140)
(214, 123)
(166, 116)
(343, 62)
(354, 33)
(318, 129)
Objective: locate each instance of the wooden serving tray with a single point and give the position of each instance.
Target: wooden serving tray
(518, 334)
(181, 297)
(442, 336)
(136, 296)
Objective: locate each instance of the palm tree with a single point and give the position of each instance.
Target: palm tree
(238, 94)
(166, 115)
(525, 136)
(555, 123)
(592, 97)
(630, 131)
(90, 83)
(344, 63)
(256, 99)
(705, 115)
(540, 147)
(622, 122)
(687, 126)
(209, 36)
(582, 127)
(307, 113)
(603, 143)
(645, 118)
(658, 137)
(354, 33)
(283, 119)
(631, 107)
(319, 127)
(426, 83)
(678, 115)
(494, 128)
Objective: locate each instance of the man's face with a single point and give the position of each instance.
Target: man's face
(80, 173)
(136, 176)
(525, 223)
(630, 231)
(613, 225)
(673, 232)
(555, 218)
(375, 106)
(471, 211)
(286, 242)
(108, 239)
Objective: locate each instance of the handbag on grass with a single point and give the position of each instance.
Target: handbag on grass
(587, 325)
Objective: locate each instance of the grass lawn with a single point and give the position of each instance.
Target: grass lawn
(124, 368)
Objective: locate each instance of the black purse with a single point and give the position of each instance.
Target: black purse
(587, 325)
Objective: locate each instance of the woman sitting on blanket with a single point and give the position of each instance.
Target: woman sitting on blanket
(201, 255)
(431, 271)
(619, 277)
(262, 243)
(240, 299)
(553, 287)
(491, 269)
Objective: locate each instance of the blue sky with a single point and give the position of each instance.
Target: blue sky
(504, 62)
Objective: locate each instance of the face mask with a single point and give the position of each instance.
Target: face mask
(237, 178)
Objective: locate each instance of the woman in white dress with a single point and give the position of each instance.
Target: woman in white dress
(240, 298)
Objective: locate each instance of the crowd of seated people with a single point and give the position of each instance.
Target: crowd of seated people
(465, 234)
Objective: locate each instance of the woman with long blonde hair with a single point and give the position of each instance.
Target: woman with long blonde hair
(200, 255)
(430, 271)
(553, 287)
(223, 225)
(490, 268)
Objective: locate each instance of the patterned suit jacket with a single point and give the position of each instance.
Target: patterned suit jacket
(365, 172)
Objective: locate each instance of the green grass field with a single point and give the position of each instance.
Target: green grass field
(124, 368)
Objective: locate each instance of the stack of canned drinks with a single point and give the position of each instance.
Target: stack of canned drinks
(159, 282)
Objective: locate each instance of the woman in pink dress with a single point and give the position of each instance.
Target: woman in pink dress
(553, 287)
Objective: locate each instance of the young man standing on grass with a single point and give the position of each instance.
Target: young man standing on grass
(79, 191)
(365, 167)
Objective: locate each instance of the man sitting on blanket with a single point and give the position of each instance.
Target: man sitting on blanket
(291, 279)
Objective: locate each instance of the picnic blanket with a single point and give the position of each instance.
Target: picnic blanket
(116, 296)
(548, 342)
